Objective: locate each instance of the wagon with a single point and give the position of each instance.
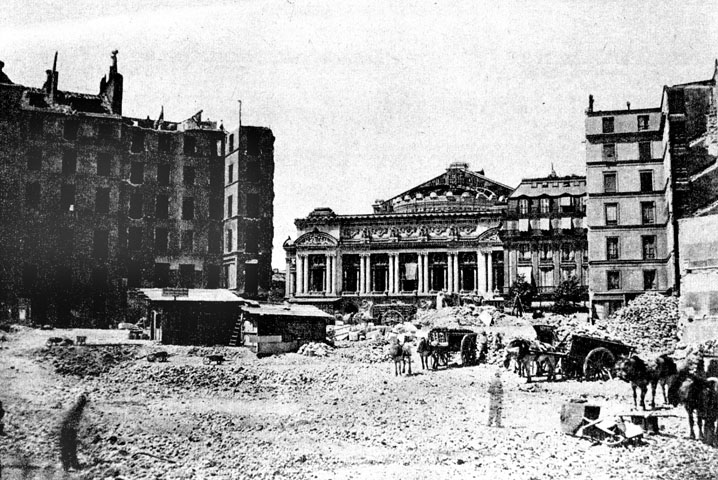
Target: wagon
(447, 341)
(591, 358)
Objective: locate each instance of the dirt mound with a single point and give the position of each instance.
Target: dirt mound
(467, 316)
(575, 324)
(87, 361)
(364, 351)
(650, 323)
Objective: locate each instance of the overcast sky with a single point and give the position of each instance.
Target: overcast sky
(367, 99)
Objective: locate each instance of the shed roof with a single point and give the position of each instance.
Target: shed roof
(286, 311)
(194, 295)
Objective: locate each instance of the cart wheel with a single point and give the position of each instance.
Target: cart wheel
(151, 357)
(599, 364)
(444, 359)
(392, 317)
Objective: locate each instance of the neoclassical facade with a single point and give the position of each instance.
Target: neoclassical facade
(441, 235)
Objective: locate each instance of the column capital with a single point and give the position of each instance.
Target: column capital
(452, 252)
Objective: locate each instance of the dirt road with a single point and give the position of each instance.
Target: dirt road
(307, 417)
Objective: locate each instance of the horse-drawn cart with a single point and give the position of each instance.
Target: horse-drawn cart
(591, 357)
(446, 341)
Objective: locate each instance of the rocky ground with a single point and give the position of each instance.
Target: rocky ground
(294, 416)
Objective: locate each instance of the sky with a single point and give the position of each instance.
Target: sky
(367, 99)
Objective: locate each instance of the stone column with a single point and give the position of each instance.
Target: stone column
(368, 274)
(457, 273)
(419, 272)
(390, 286)
(362, 273)
(305, 274)
(397, 274)
(427, 283)
(490, 270)
(299, 276)
(481, 272)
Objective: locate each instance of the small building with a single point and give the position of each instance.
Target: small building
(269, 329)
(197, 316)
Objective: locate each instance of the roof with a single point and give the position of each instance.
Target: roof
(536, 188)
(286, 311)
(194, 295)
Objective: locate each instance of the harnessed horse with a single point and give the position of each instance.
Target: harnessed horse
(526, 352)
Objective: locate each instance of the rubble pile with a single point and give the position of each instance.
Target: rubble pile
(314, 349)
(364, 351)
(87, 361)
(466, 316)
(650, 323)
(566, 326)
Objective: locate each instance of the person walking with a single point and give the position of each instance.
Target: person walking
(496, 400)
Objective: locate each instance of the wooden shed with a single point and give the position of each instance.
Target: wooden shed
(192, 316)
(269, 329)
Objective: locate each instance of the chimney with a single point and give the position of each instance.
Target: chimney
(590, 103)
(628, 105)
(111, 86)
(50, 85)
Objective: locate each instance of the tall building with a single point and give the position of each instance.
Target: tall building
(249, 211)
(441, 235)
(544, 232)
(95, 203)
(629, 206)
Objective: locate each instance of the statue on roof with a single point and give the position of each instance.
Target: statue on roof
(3, 78)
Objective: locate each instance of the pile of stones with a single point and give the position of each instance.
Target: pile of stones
(314, 349)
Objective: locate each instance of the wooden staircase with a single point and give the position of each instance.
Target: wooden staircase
(236, 333)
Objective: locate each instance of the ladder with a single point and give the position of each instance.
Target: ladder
(236, 332)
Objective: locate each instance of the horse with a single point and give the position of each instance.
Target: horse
(697, 395)
(401, 354)
(527, 352)
(640, 374)
(425, 352)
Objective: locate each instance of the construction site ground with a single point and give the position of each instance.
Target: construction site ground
(295, 416)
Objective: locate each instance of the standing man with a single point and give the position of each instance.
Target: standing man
(496, 400)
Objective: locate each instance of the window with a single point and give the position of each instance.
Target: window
(100, 247)
(611, 214)
(229, 206)
(190, 145)
(163, 174)
(186, 272)
(102, 200)
(69, 162)
(567, 253)
(164, 143)
(546, 277)
(229, 245)
(188, 176)
(134, 238)
(32, 195)
(251, 240)
(649, 247)
(609, 182)
(161, 240)
(137, 173)
(642, 122)
(34, 159)
(67, 197)
(231, 143)
(646, 180)
(230, 173)
(253, 142)
(252, 205)
(136, 205)
(648, 212)
(644, 151)
(162, 275)
(609, 152)
(613, 280)
(70, 130)
(649, 280)
(213, 272)
(188, 208)
(214, 241)
(35, 125)
(105, 131)
(523, 206)
(545, 252)
(612, 248)
(103, 164)
(253, 172)
(162, 206)
(187, 241)
(524, 252)
(608, 125)
(545, 205)
(137, 144)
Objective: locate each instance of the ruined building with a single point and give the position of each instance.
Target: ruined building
(95, 204)
(441, 235)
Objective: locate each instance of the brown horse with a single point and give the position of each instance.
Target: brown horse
(401, 354)
(697, 395)
(640, 374)
(526, 352)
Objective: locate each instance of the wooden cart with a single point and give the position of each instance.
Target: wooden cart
(591, 358)
(447, 341)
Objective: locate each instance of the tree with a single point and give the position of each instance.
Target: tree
(566, 295)
(524, 290)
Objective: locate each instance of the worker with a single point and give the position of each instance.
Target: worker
(496, 400)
